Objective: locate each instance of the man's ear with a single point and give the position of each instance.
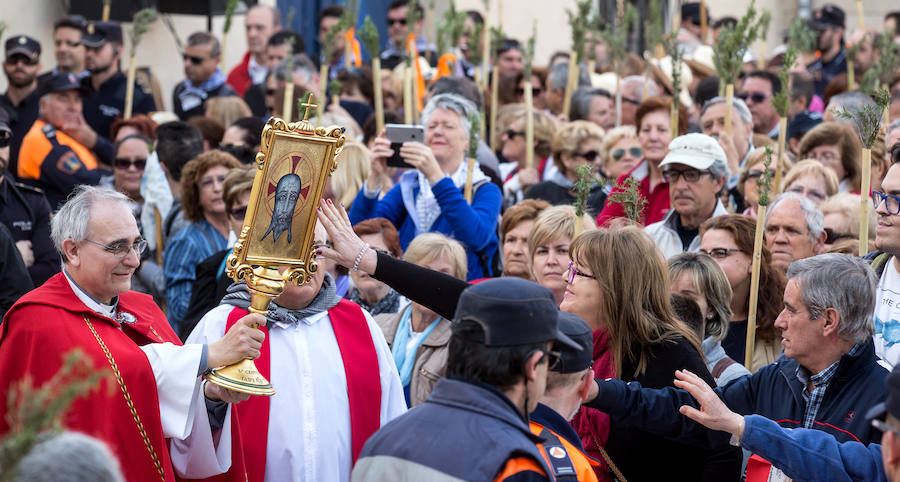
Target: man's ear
(584, 389)
(832, 322)
(820, 242)
(71, 253)
(531, 365)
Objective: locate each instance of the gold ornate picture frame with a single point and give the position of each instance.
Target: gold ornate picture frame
(293, 166)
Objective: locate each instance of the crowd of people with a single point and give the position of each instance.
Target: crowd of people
(467, 321)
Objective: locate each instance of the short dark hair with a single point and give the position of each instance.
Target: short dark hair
(205, 38)
(475, 16)
(404, 3)
(460, 86)
(896, 16)
(499, 366)
(772, 78)
(725, 22)
(507, 45)
(76, 22)
(281, 37)
(707, 89)
(802, 86)
(361, 78)
(390, 117)
(177, 143)
(252, 127)
(333, 11)
(211, 129)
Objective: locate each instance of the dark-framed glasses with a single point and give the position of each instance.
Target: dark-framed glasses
(690, 175)
(396, 21)
(891, 202)
(589, 156)
(831, 236)
(238, 213)
(720, 253)
(511, 134)
(754, 173)
(121, 249)
(756, 97)
(573, 272)
(193, 59)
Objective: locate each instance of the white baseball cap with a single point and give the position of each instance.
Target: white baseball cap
(699, 151)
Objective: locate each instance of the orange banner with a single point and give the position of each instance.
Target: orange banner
(443, 67)
(350, 38)
(413, 53)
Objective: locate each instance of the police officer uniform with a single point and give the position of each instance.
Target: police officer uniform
(560, 445)
(51, 159)
(107, 103)
(23, 115)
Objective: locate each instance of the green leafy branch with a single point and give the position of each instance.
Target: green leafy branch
(733, 42)
(800, 37)
(36, 413)
(368, 35)
(329, 53)
(229, 12)
(782, 100)
(451, 28)
(578, 20)
(653, 27)
(586, 180)
(472, 43)
(616, 38)
(474, 134)
(140, 26)
(289, 60)
(528, 53)
(882, 72)
(868, 118)
(630, 198)
(498, 37)
(764, 182)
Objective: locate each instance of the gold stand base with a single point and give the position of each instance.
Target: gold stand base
(241, 377)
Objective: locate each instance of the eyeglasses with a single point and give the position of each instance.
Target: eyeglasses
(720, 253)
(194, 59)
(891, 202)
(812, 194)
(238, 213)
(125, 164)
(884, 427)
(396, 21)
(24, 59)
(756, 97)
(573, 272)
(553, 357)
(209, 181)
(832, 237)
(589, 156)
(754, 173)
(511, 134)
(120, 250)
(691, 175)
(67, 43)
(618, 153)
(630, 100)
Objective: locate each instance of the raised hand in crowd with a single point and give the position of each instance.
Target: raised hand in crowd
(345, 244)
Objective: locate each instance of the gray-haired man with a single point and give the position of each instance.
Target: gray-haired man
(696, 171)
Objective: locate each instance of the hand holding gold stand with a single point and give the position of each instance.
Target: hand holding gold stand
(294, 164)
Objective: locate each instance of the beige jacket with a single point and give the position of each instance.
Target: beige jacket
(764, 353)
(431, 357)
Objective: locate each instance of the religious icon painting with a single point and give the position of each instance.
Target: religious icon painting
(293, 167)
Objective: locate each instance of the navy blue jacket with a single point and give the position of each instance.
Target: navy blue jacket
(463, 430)
(774, 392)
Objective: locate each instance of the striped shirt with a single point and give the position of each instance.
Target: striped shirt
(184, 252)
(820, 383)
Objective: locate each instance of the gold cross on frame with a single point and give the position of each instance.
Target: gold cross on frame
(308, 105)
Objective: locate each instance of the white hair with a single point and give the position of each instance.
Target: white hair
(71, 222)
(815, 220)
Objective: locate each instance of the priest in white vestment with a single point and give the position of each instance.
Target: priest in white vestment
(309, 435)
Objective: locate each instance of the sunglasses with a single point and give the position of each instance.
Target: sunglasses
(635, 152)
(238, 213)
(631, 101)
(832, 237)
(194, 60)
(589, 156)
(124, 164)
(754, 173)
(756, 97)
(534, 91)
(19, 58)
(511, 134)
(394, 21)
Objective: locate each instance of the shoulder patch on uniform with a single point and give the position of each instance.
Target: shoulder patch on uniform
(49, 130)
(29, 187)
(69, 163)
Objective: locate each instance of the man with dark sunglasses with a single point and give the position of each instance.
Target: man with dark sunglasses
(696, 171)
(68, 48)
(26, 213)
(757, 91)
(21, 66)
(204, 80)
(399, 31)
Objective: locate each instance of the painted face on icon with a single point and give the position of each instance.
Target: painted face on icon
(286, 195)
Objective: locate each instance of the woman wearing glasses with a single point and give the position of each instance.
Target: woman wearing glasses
(811, 179)
(837, 147)
(128, 170)
(202, 182)
(728, 239)
(621, 152)
(517, 178)
(211, 282)
(574, 145)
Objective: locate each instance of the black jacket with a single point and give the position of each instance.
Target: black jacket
(200, 108)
